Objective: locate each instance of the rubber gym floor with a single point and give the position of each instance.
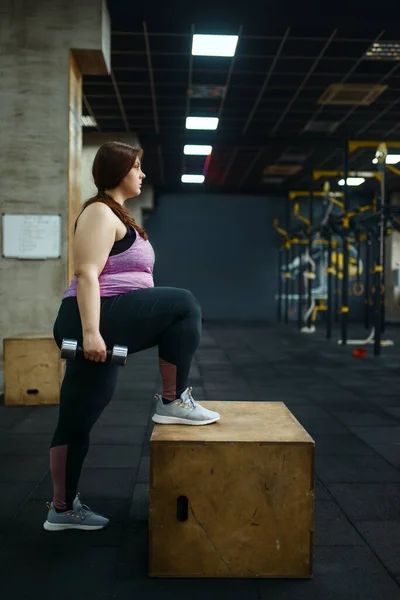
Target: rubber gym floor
(350, 406)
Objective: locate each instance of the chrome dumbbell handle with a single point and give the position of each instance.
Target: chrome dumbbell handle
(70, 349)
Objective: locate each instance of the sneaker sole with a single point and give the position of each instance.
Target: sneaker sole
(178, 421)
(63, 526)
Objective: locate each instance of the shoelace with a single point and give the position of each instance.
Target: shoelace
(188, 398)
(81, 510)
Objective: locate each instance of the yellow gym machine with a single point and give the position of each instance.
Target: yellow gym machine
(341, 265)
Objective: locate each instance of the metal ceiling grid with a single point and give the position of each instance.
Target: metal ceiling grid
(266, 98)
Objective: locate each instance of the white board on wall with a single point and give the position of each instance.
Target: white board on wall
(31, 236)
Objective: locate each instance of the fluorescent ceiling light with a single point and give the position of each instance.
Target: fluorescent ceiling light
(88, 121)
(321, 126)
(384, 51)
(353, 181)
(192, 178)
(391, 159)
(202, 122)
(214, 45)
(197, 150)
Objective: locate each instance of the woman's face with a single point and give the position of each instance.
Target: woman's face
(132, 182)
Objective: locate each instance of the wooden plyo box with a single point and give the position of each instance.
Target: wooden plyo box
(249, 484)
(33, 370)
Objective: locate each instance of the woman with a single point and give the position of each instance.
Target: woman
(112, 300)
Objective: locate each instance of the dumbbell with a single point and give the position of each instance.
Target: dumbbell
(71, 350)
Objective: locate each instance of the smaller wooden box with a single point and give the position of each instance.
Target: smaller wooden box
(33, 370)
(235, 498)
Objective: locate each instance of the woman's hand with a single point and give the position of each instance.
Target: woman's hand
(94, 347)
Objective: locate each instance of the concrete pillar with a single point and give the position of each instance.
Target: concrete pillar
(45, 47)
(392, 269)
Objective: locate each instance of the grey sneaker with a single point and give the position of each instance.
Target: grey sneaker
(80, 517)
(185, 411)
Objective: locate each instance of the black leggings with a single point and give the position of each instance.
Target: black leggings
(167, 317)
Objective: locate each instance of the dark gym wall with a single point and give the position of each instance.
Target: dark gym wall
(221, 247)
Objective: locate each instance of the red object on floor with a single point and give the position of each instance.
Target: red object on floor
(359, 352)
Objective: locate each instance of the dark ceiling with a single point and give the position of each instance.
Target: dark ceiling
(266, 96)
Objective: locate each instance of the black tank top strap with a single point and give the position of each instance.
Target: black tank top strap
(76, 222)
(121, 245)
(125, 243)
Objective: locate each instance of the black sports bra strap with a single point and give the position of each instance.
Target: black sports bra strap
(76, 222)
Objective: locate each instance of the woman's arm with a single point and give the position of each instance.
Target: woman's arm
(94, 238)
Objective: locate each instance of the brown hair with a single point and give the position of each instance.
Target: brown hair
(112, 162)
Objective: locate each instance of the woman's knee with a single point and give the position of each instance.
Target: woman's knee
(190, 302)
(66, 434)
(77, 429)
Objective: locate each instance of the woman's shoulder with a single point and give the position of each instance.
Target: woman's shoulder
(99, 208)
(97, 214)
(99, 211)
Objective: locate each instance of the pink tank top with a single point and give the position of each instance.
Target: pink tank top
(124, 272)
